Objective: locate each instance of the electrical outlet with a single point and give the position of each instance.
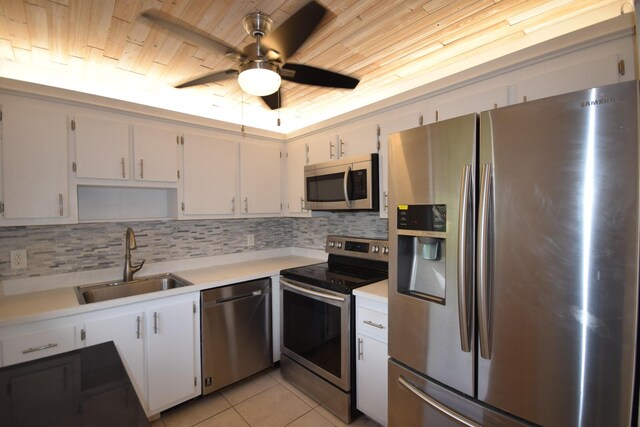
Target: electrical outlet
(250, 240)
(18, 259)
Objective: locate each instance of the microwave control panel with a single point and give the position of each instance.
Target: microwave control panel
(375, 249)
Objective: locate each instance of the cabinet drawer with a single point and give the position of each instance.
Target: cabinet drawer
(372, 323)
(30, 347)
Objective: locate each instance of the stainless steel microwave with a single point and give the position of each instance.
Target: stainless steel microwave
(345, 184)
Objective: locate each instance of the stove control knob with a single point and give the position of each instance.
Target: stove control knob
(375, 249)
(385, 250)
(331, 244)
(339, 245)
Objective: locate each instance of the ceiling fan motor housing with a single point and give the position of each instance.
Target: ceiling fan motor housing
(257, 24)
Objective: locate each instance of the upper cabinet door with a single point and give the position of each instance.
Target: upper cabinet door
(357, 139)
(323, 147)
(155, 154)
(296, 161)
(460, 102)
(210, 175)
(260, 165)
(102, 148)
(35, 175)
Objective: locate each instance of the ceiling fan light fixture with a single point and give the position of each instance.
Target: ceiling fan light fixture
(259, 78)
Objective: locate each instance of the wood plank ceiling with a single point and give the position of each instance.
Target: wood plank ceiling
(381, 42)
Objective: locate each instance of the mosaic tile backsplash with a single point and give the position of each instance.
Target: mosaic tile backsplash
(71, 248)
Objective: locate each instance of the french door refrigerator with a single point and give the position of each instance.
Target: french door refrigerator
(513, 282)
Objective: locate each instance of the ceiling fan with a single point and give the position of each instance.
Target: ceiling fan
(263, 64)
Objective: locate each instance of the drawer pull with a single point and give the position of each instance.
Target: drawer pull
(42, 347)
(375, 325)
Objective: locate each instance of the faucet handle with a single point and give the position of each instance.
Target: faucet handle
(137, 267)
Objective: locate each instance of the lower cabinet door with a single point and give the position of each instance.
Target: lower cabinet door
(371, 377)
(126, 332)
(171, 353)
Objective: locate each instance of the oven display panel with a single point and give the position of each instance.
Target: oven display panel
(356, 246)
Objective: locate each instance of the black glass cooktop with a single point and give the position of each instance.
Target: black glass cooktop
(86, 387)
(339, 274)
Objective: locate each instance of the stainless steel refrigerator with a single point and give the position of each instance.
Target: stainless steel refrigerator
(513, 282)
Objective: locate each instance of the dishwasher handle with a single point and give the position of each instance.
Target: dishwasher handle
(239, 297)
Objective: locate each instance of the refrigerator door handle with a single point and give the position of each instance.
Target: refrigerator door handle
(483, 266)
(437, 405)
(463, 277)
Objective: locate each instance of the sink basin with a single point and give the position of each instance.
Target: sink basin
(119, 289)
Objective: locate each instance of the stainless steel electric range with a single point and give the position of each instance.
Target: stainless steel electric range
(317, 320)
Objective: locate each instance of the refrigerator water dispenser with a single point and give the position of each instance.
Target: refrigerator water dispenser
(422, 267)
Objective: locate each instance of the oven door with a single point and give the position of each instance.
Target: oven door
(315, 329)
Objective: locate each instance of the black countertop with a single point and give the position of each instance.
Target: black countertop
(86, 387)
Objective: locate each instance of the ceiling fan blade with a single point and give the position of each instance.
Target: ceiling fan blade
(308, 75)
(273, 101)
(183, 29)
(210, 78)
(288, 37)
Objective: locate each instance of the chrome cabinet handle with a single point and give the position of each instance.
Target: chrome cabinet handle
(386, 201)
(345, 183)
(141, 168)
(375, 325)
(233, 205)
(302, 204)
(483, 273)
(360, 353)
(42, 347)
(331, 156)
(246, 205)
(155, 322)
(60, 204)
(138, 327)
(122, 164)
(464, 317)
(341, 148)
(437, 405)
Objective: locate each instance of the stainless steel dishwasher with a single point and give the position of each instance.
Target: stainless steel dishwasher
(236, 332)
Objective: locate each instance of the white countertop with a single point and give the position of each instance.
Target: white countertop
(48, 304)
(376, 291)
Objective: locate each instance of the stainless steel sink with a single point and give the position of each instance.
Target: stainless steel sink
(105, 291)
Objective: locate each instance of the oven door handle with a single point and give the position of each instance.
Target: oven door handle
(310, 292)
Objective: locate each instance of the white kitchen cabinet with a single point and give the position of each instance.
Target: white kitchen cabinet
(102, 148)
(323, 147)
(125, 327)
(358, 138)
(35, 168)
(37, 345)
(465, 101)
(403, 118)
(210, 180)
(296, 161)
(159, 342)
(155, 152)
(372, 357)
(584, 75)
(260, 171)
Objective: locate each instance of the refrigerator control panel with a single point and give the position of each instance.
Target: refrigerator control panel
(422, 217)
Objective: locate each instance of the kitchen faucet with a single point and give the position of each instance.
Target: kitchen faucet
(129, 245)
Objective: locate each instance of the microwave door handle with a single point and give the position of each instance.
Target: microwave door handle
(345, 186)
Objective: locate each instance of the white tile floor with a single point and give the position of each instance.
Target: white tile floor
(264, 400)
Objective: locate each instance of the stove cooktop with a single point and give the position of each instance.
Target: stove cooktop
(335, 277)
(353, 262)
